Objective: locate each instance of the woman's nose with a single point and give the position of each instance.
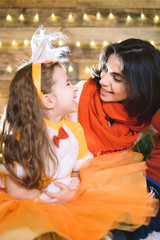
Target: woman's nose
(105, 79)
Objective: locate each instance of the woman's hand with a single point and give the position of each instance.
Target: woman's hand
(66, 193)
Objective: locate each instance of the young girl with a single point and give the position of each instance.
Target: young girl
(39, 147)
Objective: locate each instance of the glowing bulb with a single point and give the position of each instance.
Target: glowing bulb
(111, 16)
(21, 17)
(60, 42)
(70, 68)
(14, 43)
(9, 18)
(26, 42)
(98, 15)
(156, 18)
(85, 17)
(70, 17)
(129, 18)
(52, 15)
(142, 16)
(92, 43)
(0, 44)
(152, 42)
(9, 69)
(87, 69)
(36, 18)
(78, 44)
(105, 43)
(119, 41)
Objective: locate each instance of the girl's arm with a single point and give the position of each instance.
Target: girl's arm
(19, 192)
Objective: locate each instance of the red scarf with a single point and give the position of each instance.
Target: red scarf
(92, 116)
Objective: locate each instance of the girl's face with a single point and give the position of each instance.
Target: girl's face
(112, 81)
(64, 93)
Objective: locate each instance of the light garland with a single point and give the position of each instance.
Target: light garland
(61, 43)
(70, 17)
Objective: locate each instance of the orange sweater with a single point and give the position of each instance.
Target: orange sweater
(153, 162)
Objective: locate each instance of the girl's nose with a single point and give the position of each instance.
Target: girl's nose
(75, 88)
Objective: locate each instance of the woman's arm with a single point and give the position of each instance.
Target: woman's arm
(19, 192)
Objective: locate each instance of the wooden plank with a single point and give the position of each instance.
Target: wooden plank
(97, 4)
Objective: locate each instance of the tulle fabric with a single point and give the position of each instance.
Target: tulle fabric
(112, 194)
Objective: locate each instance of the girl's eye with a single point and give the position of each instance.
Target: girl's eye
(68, 84)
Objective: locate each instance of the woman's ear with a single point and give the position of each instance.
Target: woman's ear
(48, 101)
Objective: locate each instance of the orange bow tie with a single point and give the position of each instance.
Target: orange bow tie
(61, 135)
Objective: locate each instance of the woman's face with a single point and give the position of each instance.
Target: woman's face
(112, 81)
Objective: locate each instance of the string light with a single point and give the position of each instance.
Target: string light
(21, 17)
(111, 16)
(26, 42)
(142, 16)
(87, 69)
(60, 42)
(9, 18)
(98, 15)
(53, 16)
(156, 18)
(85, 17)
(14, 43)
(78, 44)
(152, 42)
(9, 69)
(128, 18)
(92, 43)
(0, 44)
(36, 18)
(70, 68)
(105, 43)
(70, 17)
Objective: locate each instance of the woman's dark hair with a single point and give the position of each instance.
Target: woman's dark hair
(141, 73)
(24, 137)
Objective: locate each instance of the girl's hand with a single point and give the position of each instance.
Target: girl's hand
(64, 196)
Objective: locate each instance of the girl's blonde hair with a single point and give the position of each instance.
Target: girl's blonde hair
(24, 136)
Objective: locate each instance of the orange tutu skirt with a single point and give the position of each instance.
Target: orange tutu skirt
(112, 194)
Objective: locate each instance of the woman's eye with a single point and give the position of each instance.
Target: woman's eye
(118, 80)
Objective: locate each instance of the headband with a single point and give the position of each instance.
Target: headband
(44, 50)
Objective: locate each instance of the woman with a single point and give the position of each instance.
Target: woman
(121, 98)
(119, 101)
